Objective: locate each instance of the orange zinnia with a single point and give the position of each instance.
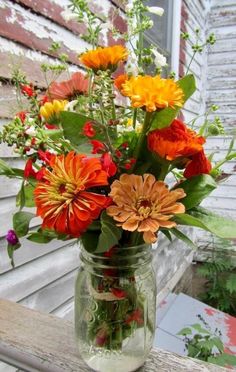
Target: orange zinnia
(199, 164)
(104, 58)
(78, 84)
(63, 201)
(175, 141)
(152, 92)
(143, 204)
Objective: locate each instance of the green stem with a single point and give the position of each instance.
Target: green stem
(142, 136)
(190, 63)
(135, 117)
(164, 171)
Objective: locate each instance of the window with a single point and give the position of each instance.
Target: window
(166, 31)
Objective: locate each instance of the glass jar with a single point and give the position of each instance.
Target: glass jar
(115, 308)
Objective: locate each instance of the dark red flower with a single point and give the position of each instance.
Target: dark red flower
(45, 156)
(118, 153)
(128, 166)
(89, 130)
(125, 145)
(119, 293)
(51, 126)
(101, 336)
(98, 147)
(27, 90)
(22, 116)
(108, 165)
(135, 316)
(199, 164)
(29, 170)
(43, 100)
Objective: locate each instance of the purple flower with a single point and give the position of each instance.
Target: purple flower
(12, 238)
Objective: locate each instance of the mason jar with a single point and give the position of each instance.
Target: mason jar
(115, 308)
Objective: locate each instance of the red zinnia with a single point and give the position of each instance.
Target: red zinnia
(78, 84)
(175, 141)
(62, 199)
(199, 164)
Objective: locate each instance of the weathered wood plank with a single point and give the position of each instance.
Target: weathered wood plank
(36, 32)
(27, 279)
(13, 55)
(223, 15)
(38, 342)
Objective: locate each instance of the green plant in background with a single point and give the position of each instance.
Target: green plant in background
(220, 273)
(204, 344)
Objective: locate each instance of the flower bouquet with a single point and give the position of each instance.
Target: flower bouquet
(110, 161)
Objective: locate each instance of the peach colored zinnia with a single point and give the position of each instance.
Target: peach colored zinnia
(68, 89)
(63, 199)
(143, 204)
(152, 92)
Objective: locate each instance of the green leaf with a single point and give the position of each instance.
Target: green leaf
(29, 196)
(223, 360)
(164, 117)
(197, 188)
(90, 240)
(37, 237)
(45, 236)
(5, 170)
(21, 221)
(10, 250)
(20, 197)
(206, 220)
(183, 237)
(185, 331)
(167, 233)
(110, 234)
(231, 283)
(199, 329)
(72, 124)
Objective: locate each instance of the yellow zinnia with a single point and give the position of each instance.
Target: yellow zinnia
(143, 204)
(104, 58)
(51, 109)
(152, 92)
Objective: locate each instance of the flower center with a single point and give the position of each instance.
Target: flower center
(62, 188)
(144, 207)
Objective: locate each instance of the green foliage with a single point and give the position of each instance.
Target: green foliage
(197, 188)
(44, 236)
(110, 234)
(21, 221)
(180, 235)
(164, 117)
(10, 250)
(203, 344)
(200, 217)
(72, 124)
(220, 274)
(25, 197)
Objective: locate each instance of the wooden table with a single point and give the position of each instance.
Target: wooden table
(35, 341)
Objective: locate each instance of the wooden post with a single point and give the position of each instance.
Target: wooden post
(35, 341)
